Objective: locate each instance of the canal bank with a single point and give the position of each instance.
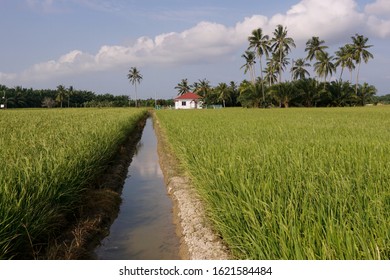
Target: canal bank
(144, 228)
(103, 201)
(198, 240)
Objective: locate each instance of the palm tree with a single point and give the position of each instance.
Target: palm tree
(281, 45)
(344, 59)
(249, 94)
(223, 92)
(17, 100)
(341, 94)
(69, 94)
(135, 78)
(324, 66)
(283, 93)
(308, 90)
(360, 53)
(61, 93)
(298, 70)
(271, 72)
(365, 93)
(249, 57)
(261, 45)
(202, 87)
(234, 93)
(183, 87)
(314, 47)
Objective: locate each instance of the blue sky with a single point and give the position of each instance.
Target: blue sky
(91, 44)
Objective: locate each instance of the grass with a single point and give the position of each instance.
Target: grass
(290, 184)
(47, 159)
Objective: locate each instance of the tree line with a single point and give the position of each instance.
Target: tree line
(63, 97)
(268, 88)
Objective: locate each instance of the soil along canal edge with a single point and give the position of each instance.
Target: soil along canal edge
(99, 207)
(198, 240)
(144, 228)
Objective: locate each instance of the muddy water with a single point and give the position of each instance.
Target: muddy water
(144, 229)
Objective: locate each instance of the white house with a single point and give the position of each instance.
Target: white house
(188, 100)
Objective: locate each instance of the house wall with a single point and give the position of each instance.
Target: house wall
(190, 104)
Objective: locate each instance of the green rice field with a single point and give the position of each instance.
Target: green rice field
(47, 158)
(290, 183)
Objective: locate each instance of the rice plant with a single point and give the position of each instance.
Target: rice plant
(47, 158)
(291, 184)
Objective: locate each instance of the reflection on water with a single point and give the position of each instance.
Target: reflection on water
(144, 229)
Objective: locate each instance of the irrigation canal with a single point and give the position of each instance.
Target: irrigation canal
(144, 228)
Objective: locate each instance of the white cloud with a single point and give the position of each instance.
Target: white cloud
(379, 7)
(378, 21)
(329, 19)
(209, 41)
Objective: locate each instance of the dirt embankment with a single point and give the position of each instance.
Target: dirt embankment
(198, 240)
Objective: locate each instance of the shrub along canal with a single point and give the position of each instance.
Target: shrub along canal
(144, 228)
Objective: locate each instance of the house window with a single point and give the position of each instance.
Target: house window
(183, 103)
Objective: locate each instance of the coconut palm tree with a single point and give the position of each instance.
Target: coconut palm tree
(360, 53)
(281, 46)
(344, 59)
(183, 86)
(223, 92)
(298, 69)
(69, 93)
(202, 87)
(324, 66)
(135, 78)
(314, 47)
(61, 93)
(261, 45)
(271, 72)
(249, 57)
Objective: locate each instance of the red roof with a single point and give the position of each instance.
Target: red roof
(188, 95)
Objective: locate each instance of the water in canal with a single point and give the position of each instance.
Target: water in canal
(144, 229)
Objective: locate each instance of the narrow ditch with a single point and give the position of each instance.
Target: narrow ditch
(144, 228)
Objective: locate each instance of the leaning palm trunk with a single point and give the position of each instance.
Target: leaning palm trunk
(262, 81)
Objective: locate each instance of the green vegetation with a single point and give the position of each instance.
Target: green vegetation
(47, 159)
(290, 184)
(20, 97)
(268, 89)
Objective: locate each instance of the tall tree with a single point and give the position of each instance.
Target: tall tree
(261, 45)
(271, 72)
(249, 57)
(360, 53)
(298, 69)
(183, 86)
(223, 92)
(314, 47)
(324, 66)
(281, 46)
(203, 87)
(69, 93)
(135, 78)
(344, 59)
(61, 93)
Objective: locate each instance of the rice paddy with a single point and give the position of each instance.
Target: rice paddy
(290, 184)
(47, 159)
